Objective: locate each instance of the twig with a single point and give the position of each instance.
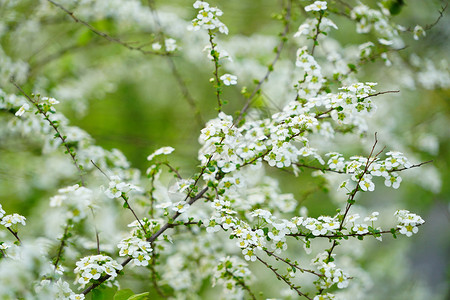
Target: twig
(104, 35)
(123, 196)
(181, 83)
(281, 277)
(215, 56)
(272, 64)
(15, 234)
(291, 264)
(150, 239)
(242, 284)
(53, 125)
(316, 36)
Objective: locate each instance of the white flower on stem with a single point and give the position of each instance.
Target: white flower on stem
(117, 187)
(418, 32)
(10, 220)
(160, 151)
(229, 79)
(360, 229)
(180, 206)
(317, 6)
(249, 254)
(353, 218)
(408, 229)
(95, 266)
(156, 46)
(25, 107)
(170, 45)
(373, 217)
(366, 183)
(393, 180)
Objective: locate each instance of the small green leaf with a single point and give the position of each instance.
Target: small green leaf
(140, 296)
(123, 294)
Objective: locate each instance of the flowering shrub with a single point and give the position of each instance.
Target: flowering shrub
(228, 223)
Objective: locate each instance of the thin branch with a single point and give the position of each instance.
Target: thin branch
(215, 56)
(123, 196)
(181, 83)
(55, 127)
(284, 278)
(150, 239)
(343, 172)
(61, 246)
(280, 47)
(316, 36)
(241, 282)
(106, 36)
(15, 234)
(154, 276)
(173, 170)
(294, 266)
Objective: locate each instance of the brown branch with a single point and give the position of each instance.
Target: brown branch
(173, 170)
(343, 172)
(241, 282)
(150, 239)
(106, 36)
(215, 56)
(15, 234)
(280, 47)
(61, 246)
(123, 196)
(281, 277)
(53, 125)
(181, 83)
(316, 36)
(291, 264)
(330, 236)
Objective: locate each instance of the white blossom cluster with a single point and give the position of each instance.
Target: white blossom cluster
(207, 18)
(76, 200)
(408, 222)
(332, 274)
(247, 205)
(137, 248)
(226, 272)
(93, 267)
(117, 187)
(375, 168)
(10, 220)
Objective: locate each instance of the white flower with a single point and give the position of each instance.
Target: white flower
(95, 266)
(393, 180)
(117, 187)
(170, 45)
(180, 206)
(372, 217)
(156, 46)
(229, 79)
(249, 255)
(22, 110)
(163, 150)
(419, 31)
(360, 228)
(9, 220)
(317, 6)
(366, 183)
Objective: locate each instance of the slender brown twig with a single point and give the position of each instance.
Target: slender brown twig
(279, 48)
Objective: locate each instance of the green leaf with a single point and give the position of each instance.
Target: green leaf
(124, 294)
(139, 296)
